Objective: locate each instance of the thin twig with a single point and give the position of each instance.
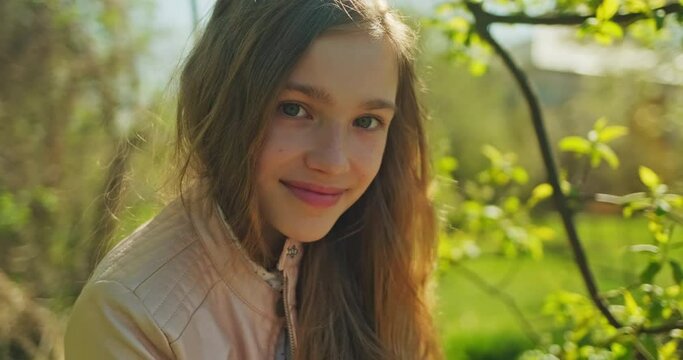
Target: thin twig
(504, 297)
(662, 328)
(642, 350)
(509, 276)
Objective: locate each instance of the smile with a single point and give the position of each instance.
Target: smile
(314, 195)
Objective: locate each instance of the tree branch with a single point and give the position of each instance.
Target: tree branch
(662, 328)
(487, 18)
(481, 24)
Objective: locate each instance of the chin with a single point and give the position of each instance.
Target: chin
(307, 234)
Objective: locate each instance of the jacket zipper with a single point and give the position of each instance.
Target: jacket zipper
(288, 318)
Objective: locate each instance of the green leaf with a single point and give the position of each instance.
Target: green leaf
(650, 272)
(644, 30)
(492, 153)
(447, 164)
(608, 154)
(575, 144)
(544, 233)
(673, 291)
(510, 250)
(511, 204)
(636, 6)
(459, 38)
(567, 187)
(676, 271)
(14, 213)
(600, 124)
(542, 191)
(620, 352)
(459, 24)
(662, 237)
(444, 8)
(632, 308)
(520, 175)
(668, 350)
(648, 177)
(612, 29)
(607, 9)
(674, 199)
(477, 68)
(627, 212)
(596, 158)
(612, 132)
(643, 204)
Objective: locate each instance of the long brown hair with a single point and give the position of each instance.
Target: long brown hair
(363, 287)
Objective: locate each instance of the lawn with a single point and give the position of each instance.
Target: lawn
(478, 325)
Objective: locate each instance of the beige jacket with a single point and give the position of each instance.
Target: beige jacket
(180, 287)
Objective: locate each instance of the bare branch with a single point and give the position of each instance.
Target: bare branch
(504, 297)
(487, 18)
(662, 328)
(482, 21)
(561, 202)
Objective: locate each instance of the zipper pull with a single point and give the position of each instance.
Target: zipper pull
(291, 255)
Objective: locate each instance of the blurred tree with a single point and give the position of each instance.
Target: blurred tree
(623, 323)
(69, 115)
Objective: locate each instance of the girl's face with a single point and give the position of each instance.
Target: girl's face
(327, 135)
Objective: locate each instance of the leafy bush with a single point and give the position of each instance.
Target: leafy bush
(639, 320)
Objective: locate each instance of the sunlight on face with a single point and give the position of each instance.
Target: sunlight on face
(327, 135)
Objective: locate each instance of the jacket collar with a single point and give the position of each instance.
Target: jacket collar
(236, 270)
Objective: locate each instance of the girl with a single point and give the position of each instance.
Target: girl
(304, 231)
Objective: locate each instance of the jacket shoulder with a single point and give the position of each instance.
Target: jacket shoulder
(109, 322)
(165, 266)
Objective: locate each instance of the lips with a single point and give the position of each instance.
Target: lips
(314, 195)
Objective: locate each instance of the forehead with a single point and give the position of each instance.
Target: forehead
(350, 66)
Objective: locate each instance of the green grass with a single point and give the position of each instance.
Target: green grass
(476, 325)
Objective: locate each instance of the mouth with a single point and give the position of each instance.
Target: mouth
(314, 195)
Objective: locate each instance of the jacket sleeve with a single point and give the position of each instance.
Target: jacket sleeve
(109, 321)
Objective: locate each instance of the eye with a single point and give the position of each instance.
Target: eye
(367, 122)
(293, 110)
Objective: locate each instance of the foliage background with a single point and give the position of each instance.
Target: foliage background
(78, 121)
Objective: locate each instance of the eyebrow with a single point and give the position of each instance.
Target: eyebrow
(323, 96)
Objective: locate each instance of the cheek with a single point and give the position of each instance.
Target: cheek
(279, 146)
(277, 141)
(367, 155)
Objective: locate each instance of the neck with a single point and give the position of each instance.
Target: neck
(274, 241)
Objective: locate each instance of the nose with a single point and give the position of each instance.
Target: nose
(329, 153)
